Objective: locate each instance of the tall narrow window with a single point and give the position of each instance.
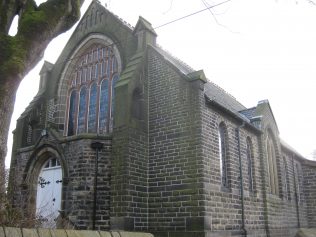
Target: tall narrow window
(250, 164)
(298, 182)
(222, 154)
(272, 166)
(287, 193)
(94, 77)
(72, 113)
(82, 110)
(92, 124)
(104, 105)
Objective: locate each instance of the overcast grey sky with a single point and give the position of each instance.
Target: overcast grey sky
(254, 49)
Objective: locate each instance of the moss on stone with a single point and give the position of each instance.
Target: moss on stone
(13, 55)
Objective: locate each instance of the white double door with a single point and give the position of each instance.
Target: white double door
(48, 200)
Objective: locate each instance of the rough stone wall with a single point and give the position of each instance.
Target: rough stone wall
(78, 161)
(287, 212)
(19, 196)
(223, 206)
(174, 183)
(309, 173)
(78, 187)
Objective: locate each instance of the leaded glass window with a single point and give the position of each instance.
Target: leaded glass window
(104, 104)
(91, 91)
(82, 110)
(92, 121)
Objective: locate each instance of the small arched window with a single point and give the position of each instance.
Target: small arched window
(272, 166)
(250, 164)
(138, 104)
(91, 91)
(297, 178)
(222, 139)
(287, 193)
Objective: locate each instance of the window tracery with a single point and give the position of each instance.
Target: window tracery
(91, 91)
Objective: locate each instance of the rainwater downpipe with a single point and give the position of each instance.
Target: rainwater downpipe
(295, 194)
(243, 227)
(96, 146)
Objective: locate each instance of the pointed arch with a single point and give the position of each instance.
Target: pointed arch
(272, 164)
(95, 59)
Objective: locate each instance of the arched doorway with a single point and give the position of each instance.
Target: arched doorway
(48, 198)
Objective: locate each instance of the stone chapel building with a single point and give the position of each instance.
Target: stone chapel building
(123, 135)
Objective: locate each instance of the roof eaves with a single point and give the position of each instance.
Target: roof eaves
(236, 115)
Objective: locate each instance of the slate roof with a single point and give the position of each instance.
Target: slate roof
(249, 113)
(216, 93)
(212, 91)
(183, 67)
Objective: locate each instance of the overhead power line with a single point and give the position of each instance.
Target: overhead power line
(192, 14)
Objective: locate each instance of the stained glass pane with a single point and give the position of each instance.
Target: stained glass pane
(101, 68)
(114, 65)
(84, 75)
(88, 73)
(104, 105)
(108, 67)
(96, 71)
(71, 115)
(95, 55)
(82, 110)
(100, 53)
(92, 124)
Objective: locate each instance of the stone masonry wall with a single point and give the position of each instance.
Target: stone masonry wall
(129, 180)
(309, 173)
(174, 151)
(223, 205)
(78, 187)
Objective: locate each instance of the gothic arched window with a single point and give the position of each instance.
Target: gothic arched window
(272, 166)
(91, 91)
(287, 191)
(223, 154)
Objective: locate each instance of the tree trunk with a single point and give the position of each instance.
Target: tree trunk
(38, 25)
(7, 99)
